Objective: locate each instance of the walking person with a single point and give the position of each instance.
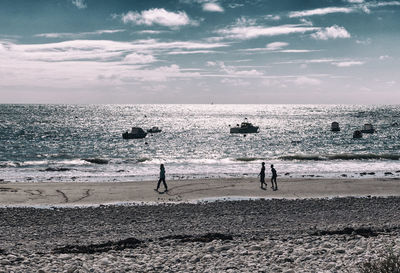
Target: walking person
(162, 178)
(262, 176)
(273, 178)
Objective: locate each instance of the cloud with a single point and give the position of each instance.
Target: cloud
(235, 82)
(364, 42)
(212, 7)
(98, 50)
(358, 5)
(320, 11)
(80, 4)
(276, 45)
(151, 32)
(135, 58)
(303, 80)
(272, 17)
(157, 17)
(235, 5)
(333, 32)
(251, 32)
(384, 57)
(348, 63)
(192, 52)
(79, 34)
(297, 50)
(233, 71)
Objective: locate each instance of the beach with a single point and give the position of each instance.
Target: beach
(208, 225)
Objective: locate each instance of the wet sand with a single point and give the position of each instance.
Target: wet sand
(75, 193)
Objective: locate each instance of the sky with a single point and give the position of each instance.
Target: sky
(200, 51)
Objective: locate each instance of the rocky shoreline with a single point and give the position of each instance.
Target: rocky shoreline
(309, 235)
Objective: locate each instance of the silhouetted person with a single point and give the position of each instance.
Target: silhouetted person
(273, 178)
(162, 178)
(262, 175)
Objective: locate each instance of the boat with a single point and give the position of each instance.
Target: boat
(136, 132)
(357, 134)
(154, 129)
(335, 127)
(368, 129)
(244, 128)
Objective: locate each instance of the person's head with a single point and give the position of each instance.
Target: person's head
(263, 163)
(272, 165)
(162, 166)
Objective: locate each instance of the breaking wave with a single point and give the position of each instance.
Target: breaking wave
(246, 159)
(343, 157)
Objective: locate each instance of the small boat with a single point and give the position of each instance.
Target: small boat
(357, 134)
(335, 127)
(244, 128)
(153, 130)
(136, 132)
(368, 129)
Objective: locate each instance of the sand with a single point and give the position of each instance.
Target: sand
(293, 229)
(75, 193)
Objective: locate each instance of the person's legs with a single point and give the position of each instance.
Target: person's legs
(275, 185)
(158, 184)
(165, 185)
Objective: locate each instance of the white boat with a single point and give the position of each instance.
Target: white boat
(244, 128)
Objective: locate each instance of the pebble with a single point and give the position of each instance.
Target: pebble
(281, 246)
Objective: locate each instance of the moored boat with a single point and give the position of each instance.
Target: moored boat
(357, 134)
(368, 129)
(136, 132)
(244, 128)
(335, 127)
(153, 130)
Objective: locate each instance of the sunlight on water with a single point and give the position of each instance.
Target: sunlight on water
(55, 142)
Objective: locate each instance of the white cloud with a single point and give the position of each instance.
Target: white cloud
(358, 5)
(233, 71)
(303, 80)
(235, 82)
(98, 50)
(297, 51)
(157, 16)
(320, 11)
(79, 34)
(276, 45)
(384, 57)
(210, 63)
(272, 17)
(333, 32)
(233, 6)
(151, 32)
(348, 63)
(191, 52)
(212, 7)
(364, 42)
(80, 4)
(250, 32)
(135, 58)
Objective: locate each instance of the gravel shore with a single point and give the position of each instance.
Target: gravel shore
(309, 235)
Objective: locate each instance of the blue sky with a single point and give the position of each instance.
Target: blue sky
(198, 51)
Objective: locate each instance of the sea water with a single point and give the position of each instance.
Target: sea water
(84, 142)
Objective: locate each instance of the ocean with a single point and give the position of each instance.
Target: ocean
(40, 143)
